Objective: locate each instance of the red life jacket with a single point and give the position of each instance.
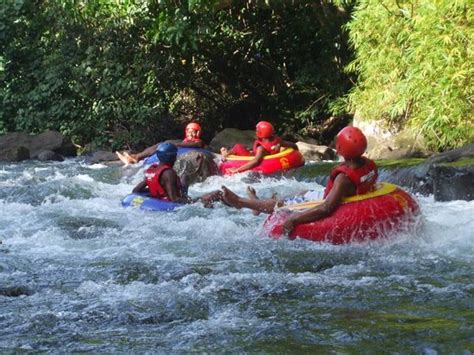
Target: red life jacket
(272, 147)
(363, 178)
(152, 175)
(192, 140)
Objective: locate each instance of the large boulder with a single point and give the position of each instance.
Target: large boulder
(314, 152)
(15, 146)
(452, 174)
(453, 182)
(17, 154)
(230, 136)
(52, 140)
(34, 144)
(195, 166)
(389, 142)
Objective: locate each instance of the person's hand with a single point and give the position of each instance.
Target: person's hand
(288, 225)
(233, 170)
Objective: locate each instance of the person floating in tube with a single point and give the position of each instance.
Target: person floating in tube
(162, 182)
(192, 139)
(356, 175)
(267, 143)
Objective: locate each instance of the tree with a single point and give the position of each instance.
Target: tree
(414, 63)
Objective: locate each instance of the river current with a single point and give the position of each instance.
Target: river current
(78, 272)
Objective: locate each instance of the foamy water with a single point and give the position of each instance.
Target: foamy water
(94, 276)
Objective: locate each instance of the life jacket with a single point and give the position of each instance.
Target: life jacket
(192, 140)
(152, 175)
(241, 150)
(272, 147)
(363, 178)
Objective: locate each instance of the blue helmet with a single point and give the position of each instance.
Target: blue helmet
(166, 153)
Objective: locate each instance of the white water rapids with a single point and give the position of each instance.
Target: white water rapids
(78, 272)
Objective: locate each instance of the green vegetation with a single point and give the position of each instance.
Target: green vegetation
(414, 60)
(130, 73)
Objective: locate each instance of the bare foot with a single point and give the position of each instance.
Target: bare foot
(231, 198)
(131, 158)
(122, 158)
(252, 194)
(211, 197)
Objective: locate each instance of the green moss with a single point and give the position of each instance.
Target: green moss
(459, 163)
(313, 170)
(399, 163)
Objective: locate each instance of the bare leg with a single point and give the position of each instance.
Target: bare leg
(234, 200)
(211, 197)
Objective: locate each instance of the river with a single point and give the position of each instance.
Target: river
(96, 277)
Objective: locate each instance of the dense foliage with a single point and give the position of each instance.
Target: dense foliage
(130, 72)
(415, 64)
(135, 71)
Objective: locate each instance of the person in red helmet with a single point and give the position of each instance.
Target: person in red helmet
(267, 143)
(356, 175)
(192, 139)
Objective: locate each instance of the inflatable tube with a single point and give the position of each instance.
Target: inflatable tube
(181, 150)
(147, 203)
(288, 158)
(370, 216)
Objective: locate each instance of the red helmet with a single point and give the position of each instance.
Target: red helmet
(351, 142)
(265, 129)
(195, 126)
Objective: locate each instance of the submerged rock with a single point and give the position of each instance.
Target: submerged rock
(16, 291)
(46, 155)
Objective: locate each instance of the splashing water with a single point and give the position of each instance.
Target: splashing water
(80, 273)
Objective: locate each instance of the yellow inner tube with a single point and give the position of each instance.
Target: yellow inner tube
(282, 154)
(383, 188)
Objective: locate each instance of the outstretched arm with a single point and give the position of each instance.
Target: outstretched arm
(146, 152)
(342, 187)
(259, 154)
